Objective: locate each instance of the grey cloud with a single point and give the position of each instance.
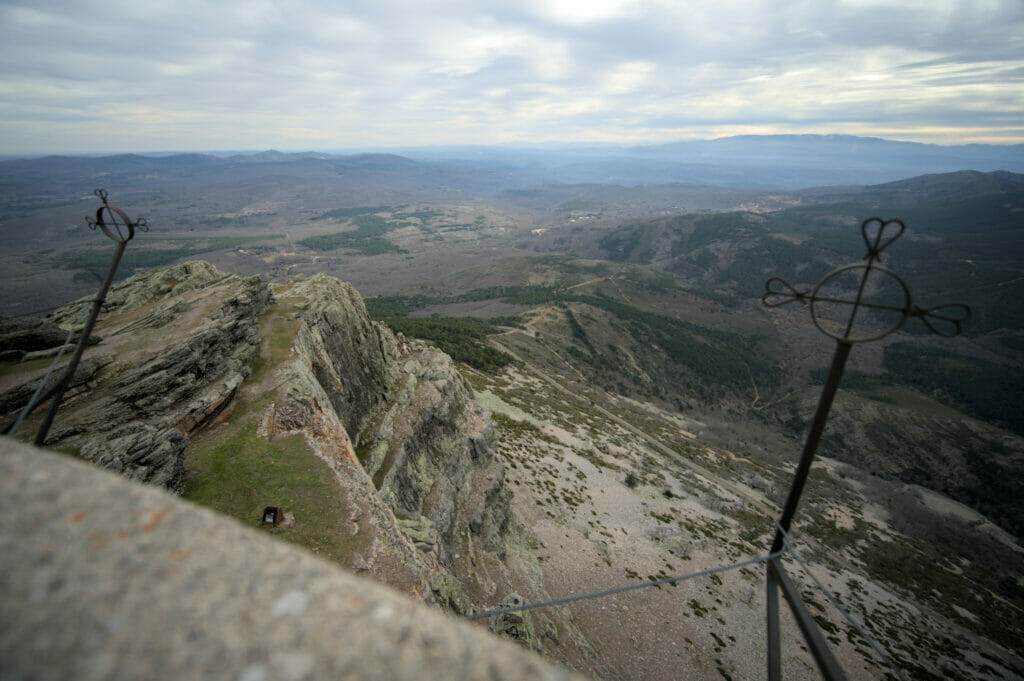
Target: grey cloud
(502, 69)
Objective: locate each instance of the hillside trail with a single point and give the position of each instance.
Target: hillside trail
(738, 490)
(610, 279)
(532, 332)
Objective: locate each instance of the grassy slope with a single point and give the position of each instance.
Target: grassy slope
(238, 473)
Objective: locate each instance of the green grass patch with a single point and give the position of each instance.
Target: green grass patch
(424, 215)
(350, 213)
(239, 474)
(279, 336)
(367, 237)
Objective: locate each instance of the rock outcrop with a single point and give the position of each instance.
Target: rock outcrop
(396, 419)
(21, 336)
(178, 343)
(407, 444)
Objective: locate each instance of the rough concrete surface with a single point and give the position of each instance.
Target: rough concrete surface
(102, 578)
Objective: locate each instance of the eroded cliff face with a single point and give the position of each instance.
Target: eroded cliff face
(408, 446)
(399, 423)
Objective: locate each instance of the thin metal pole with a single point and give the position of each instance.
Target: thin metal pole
(65, 381)
(813, 437)
(830, 669)
(774, 640)
(878, 234)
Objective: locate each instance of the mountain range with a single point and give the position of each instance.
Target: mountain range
(765, 161)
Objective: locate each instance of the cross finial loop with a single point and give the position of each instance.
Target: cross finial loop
(865, 301)
(879, 234)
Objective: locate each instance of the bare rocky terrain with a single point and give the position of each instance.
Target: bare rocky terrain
(695, 505)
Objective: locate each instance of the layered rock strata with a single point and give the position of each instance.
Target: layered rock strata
(177, 344)
(408, 446)
(396, 421)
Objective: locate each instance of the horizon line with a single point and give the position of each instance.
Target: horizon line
(477, 145)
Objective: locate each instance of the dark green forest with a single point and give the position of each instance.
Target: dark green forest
(709, 360)
(463, 338)
(980, 388)
(367, 238)
(983, 389)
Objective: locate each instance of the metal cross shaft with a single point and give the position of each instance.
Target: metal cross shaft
(111, 221)
(944, 320)
(828, 393)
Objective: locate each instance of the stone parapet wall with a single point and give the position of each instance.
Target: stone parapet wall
(102, 578)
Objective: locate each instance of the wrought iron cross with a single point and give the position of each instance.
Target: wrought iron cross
(855, 304)
(120, 229)
(852, 304)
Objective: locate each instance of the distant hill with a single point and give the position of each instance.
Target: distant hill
(763, 162)
(966, 237)
(828, 150)
(753, 161)
(964, 182)
(72, 174)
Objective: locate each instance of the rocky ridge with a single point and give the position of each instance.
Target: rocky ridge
(395, 422)
(399, 426)
(177, 345)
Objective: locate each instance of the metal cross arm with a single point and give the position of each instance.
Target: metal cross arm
(838, 299)
(855, 303)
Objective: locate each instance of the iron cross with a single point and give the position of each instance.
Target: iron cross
(854, 304)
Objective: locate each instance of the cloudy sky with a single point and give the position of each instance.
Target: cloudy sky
(146, 75)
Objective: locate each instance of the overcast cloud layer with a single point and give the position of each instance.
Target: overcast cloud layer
(142, 75)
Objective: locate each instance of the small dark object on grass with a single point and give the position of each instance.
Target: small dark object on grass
(273, 515)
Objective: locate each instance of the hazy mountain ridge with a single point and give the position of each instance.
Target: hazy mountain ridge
(769, 161)
(849, 145)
